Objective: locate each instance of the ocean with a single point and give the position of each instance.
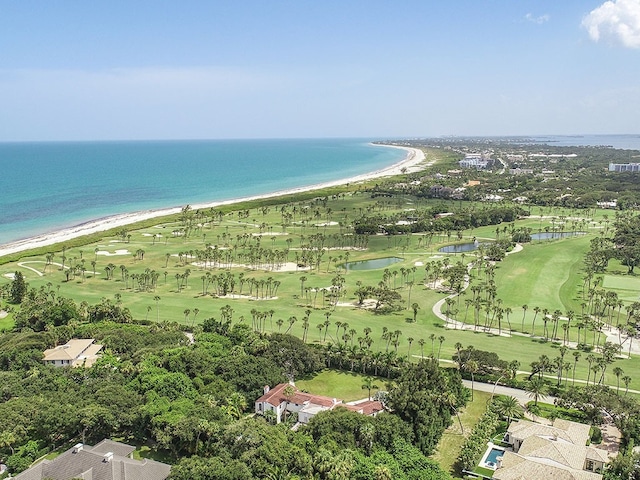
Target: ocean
(49, 186)
(624, 142)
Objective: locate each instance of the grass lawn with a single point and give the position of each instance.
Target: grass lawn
(338, 384)
(6, 323)
(451, 442)
(626, 286)
(544, 274)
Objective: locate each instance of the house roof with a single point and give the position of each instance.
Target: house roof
(69, 351)
(366, 407)
(557, 452)
(516, 467)
(89, 463)
(575, 433)
(560, 452)
(276, 396)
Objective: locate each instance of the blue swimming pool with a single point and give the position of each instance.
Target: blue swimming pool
(490, 459)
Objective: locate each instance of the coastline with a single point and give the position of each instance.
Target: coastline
(411, 162)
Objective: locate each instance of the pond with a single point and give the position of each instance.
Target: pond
(554, 235)
(461, 247)
(372, 264)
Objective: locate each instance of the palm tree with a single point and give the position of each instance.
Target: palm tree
(524, 314)
(369, 385)
(415, 307)
(410, 340)
(236, 404)
(617, 371)
(472, 367)
(288, 393)
(421, 342)
(576, 357)
(627, 380)
(536, 311)
(508, 407)
(157, 300)
(536, 389)
(7, 439)
(441, 339)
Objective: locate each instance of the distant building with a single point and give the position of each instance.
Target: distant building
(107, 460)
(521, 171)
(75, 353)
(474, 160)
(307, 405)
(624, 167)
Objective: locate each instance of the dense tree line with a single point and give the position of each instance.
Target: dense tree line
(152, 385)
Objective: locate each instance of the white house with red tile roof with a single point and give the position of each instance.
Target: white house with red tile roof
(307, 405)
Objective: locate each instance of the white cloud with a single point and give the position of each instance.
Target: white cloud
(539, 19)
(615, 21)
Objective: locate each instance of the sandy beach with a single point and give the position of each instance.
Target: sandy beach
(411, 162)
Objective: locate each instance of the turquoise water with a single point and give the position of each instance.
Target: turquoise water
(50, 186)
(492, 458)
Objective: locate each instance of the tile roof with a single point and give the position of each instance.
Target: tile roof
(558, 452)
(89, 463)
(275, 396)
(69, 351)
(77, 352)
(516, 467)
(576, 433)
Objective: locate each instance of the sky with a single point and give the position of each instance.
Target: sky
(111, 70)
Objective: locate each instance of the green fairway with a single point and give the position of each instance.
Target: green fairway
(626, 286)
(545, 274)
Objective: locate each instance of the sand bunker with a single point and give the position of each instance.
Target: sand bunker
(110, 254)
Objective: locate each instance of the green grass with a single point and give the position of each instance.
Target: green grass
(450, 444)
(626, 286)
(544, 274)
(345, 386)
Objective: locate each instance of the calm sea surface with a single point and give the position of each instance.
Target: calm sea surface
(625, 142)
(50, 186)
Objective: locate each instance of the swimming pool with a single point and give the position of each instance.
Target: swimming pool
(491, 457)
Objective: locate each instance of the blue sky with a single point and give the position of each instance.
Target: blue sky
(72, 70)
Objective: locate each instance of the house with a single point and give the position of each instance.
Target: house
(557, 451)
(75, 353)
(108, 460)
(307, 405)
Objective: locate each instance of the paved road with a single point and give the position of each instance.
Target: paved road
(522, 396)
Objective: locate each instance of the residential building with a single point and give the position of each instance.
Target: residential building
(307, 405)
(624, 167)
(474, 160)
(557, 451)
(75, 353)
(108, 460)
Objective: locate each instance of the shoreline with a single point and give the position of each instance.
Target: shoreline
(411, 162)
